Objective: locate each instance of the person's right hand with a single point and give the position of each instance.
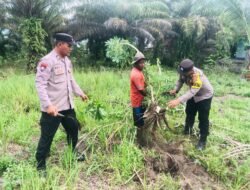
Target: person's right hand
(52, 110)
(84, 97)
(172, 92)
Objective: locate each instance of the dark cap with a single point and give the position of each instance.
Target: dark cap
(63, 37)
(186, 65)
(138, 56)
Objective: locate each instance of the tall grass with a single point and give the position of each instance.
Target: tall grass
(109, 136)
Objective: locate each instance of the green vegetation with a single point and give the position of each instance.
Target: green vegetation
(113, 158)
(108, 33)
(203, 30)
(33, 36)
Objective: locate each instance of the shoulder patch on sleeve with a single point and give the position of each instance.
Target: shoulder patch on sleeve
(43, 66)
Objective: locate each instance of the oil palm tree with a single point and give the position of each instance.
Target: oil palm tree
(2, 14)
(49, 11)
(207, 26)
(98, 21)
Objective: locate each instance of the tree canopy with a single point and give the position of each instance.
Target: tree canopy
(171, 29)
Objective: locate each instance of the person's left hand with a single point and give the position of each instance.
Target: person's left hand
(84, 97)
(173, 103)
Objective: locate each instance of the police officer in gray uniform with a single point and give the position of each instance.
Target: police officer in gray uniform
(56, 86)
(198, 98)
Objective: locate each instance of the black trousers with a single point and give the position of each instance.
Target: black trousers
(49, 125)
(203, 109)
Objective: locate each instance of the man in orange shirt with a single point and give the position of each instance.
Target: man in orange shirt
(138, 91)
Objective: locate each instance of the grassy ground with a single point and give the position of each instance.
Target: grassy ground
(113, 159)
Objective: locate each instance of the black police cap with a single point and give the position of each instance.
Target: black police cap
(63, 37)
(186, 65)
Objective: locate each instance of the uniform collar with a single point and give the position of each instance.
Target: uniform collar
(59, 58)
(195, 69)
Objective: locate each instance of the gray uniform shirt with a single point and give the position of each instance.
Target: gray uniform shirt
(55, 83)
(199, 87)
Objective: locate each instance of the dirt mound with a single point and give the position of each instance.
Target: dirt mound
(171, 159)
(16, 151)
(170, 156)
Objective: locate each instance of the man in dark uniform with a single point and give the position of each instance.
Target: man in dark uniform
(56, 86)
(198, 98)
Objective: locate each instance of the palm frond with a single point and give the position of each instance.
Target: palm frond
(2, 14)
(96, 12)
(47, 10)
(181, 8)
(211, 8)
(157, 33)
(116, 24)
(150, 7)
(195, 25)
(83, 30)
(117, 17)
(142, 33)
(231, 13)
(161, 24)
(158, 27)
(27, 8)
(234, 17)
(141, 9)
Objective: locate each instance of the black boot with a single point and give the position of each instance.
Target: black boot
(81, 157)
(202, 143)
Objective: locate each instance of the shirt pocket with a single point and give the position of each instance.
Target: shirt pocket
(59, 74)
(59, 78)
